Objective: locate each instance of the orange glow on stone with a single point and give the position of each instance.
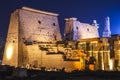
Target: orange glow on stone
(9, 51)
(79, 65)
(91, 67)
(111, 64)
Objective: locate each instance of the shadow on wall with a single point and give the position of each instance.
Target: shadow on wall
(1, 52)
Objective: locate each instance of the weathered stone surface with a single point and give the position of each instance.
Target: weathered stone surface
(10, 56)
(34, 41)
(26, 26)
(75, 30)
(36, 26)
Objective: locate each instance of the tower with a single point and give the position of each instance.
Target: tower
(28, 26)
(69, 29)
(107, 32)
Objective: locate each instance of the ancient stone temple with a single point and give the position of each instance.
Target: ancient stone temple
(34, 41)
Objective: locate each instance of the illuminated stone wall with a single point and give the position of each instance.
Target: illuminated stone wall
(26, 26)
(75, 30)
(34, 40)
(37, 25)
(10, 56)
(99, 48)
(37, 58)
(117, 52)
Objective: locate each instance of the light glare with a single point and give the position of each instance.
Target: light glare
(9, 52)
(111, 64)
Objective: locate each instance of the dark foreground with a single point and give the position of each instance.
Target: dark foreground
(23, 74)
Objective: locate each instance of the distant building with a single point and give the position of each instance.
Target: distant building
(75, 30)
(34, 41)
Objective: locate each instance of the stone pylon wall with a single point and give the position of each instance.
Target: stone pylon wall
(38, 25)
(27, 26)
(75, 30)
(10, 56)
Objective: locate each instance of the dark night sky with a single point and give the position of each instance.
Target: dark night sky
(84, 10)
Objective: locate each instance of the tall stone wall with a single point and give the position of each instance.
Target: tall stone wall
(32, 34)
(38, 58)
(85, 31)
(26, 26)
(10, 56)
(38, 26)
(75, 30)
